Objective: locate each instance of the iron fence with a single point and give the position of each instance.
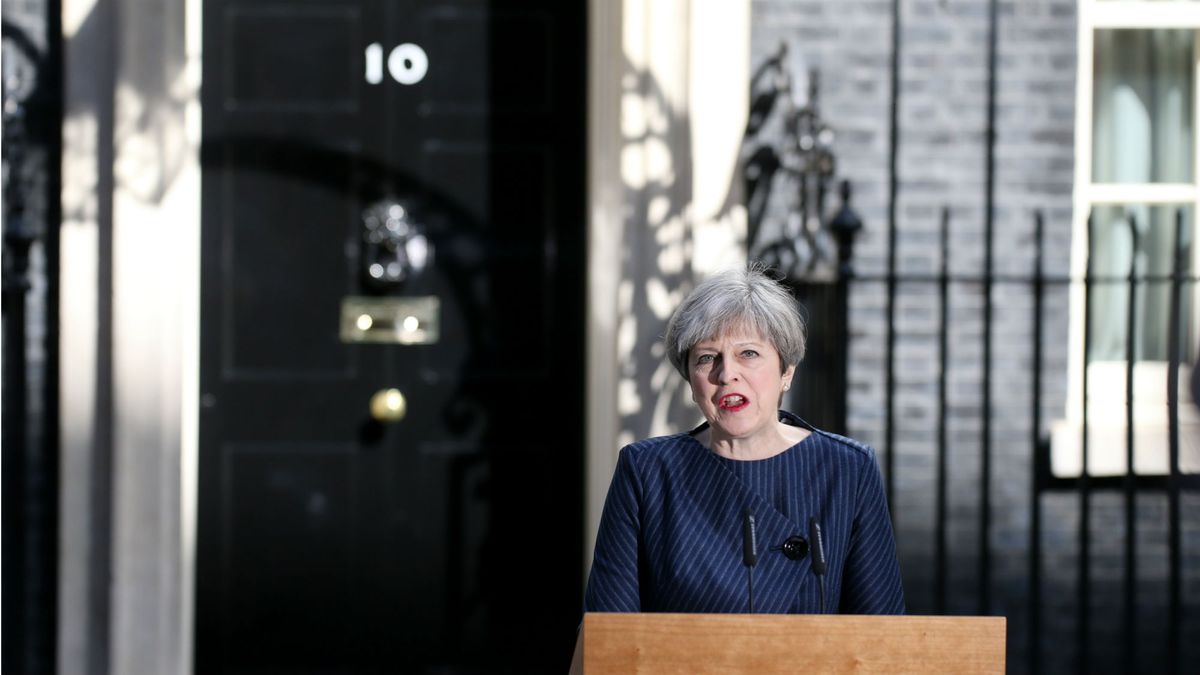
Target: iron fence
(830, 375)
(1038, 635)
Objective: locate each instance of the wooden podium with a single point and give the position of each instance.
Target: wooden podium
(779, 643)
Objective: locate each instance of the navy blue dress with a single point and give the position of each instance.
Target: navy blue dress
(670, 537)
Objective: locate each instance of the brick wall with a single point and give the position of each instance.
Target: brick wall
(942, 164)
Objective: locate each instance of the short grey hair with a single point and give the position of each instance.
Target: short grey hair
(736, 298)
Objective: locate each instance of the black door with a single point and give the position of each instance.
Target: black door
(392, 200)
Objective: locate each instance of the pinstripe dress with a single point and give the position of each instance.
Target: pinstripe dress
(670, 536)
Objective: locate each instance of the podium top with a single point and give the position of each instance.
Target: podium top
(771, 643)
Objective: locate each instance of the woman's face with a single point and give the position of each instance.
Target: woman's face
(737, 379)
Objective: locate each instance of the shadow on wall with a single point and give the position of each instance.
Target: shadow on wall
(656, 270)
(660, 249)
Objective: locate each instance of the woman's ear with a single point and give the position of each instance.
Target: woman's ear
(788, 373)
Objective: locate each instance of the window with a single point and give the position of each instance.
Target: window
(1136, 168)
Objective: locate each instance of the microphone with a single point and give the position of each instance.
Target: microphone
(749, 553)
(749, 540)
(817, 543)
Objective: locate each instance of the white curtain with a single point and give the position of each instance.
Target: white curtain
(1141, 133)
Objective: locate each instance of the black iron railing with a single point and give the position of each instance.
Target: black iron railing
(801, 242)
(1131, 484)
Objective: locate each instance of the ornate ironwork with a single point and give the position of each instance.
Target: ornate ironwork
(789, 164)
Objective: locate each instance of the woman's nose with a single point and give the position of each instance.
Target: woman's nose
(726, 371)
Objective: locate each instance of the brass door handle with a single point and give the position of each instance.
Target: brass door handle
(388, 405)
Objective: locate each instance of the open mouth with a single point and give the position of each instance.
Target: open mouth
(733, 402)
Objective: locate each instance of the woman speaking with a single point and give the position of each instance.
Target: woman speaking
(754, 486)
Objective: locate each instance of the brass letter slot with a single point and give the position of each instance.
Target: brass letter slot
(402, 321)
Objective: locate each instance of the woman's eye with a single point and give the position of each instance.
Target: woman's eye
(750, 353)
(704, 358)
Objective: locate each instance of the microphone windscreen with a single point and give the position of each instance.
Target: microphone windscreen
(817, 543)
(749, 540)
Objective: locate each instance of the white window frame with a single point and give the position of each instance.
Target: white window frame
(1106, 379)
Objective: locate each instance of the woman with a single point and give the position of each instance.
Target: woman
(671, 535)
